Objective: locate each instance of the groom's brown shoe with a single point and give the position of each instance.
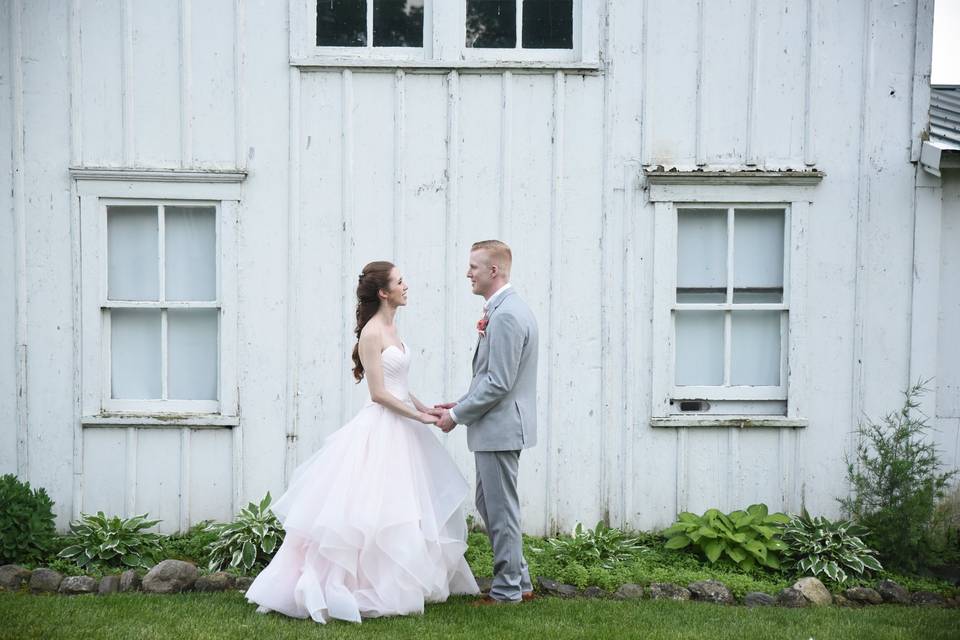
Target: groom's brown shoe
(529, 595)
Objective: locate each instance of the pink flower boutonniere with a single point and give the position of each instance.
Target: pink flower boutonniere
(482, 325)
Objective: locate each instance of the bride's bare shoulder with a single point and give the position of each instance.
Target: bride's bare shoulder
(371, 334)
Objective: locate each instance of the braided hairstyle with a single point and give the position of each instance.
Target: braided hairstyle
(374, 278)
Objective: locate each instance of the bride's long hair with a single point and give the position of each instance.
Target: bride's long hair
(374, 278)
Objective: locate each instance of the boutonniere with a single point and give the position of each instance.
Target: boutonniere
(482, 325)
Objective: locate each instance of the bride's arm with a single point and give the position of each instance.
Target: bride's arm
(422, 408)
(371, 357)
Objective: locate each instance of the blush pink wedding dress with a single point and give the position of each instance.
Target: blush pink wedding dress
(374, 520)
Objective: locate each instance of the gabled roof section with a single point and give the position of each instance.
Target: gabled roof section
(941, 149)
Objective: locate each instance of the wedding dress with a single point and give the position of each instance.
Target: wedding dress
(374, 520)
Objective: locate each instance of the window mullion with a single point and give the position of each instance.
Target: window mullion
(369, 24)
(519, 27)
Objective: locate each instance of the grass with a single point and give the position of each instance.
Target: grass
(228, 615)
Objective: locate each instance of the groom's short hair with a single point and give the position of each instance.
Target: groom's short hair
(498, 252)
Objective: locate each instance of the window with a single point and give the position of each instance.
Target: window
(158, 291)
(729, 290)
(162, 308)
(361, 23)
(730, 314)
(445, 32)
(542, 24)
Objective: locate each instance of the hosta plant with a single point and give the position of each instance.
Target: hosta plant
(819, 547)
(26, 521)
(112, 542)
(603, 546)
(749, 538)
(249, 541)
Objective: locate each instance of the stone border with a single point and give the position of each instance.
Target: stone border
(177, 576)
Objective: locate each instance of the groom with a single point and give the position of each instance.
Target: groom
(500, 409)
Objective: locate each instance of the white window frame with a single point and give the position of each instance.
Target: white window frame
(99, 189)
(670, 194)
(444, 32)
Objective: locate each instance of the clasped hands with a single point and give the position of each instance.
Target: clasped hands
(442, 411)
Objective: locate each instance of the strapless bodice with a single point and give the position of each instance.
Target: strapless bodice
(396, 366)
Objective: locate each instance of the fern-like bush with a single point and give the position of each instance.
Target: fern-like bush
(26, 522)
(96, 540)
(249, 541)
(895, 481)
(601, 547)
(749, 538)
(819, 547)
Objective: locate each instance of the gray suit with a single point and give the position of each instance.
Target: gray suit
(501, 411)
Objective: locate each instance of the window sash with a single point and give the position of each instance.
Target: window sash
(162, 404)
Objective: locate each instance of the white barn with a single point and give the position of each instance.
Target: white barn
(717, 209)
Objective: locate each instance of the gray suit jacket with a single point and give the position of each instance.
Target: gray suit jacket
(501, 405)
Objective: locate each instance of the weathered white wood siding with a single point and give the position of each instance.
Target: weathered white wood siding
(348, 165)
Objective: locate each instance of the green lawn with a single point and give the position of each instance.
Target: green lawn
(227, 615)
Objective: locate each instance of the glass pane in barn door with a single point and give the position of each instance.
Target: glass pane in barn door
(133, 268)
(398, 23)
(135, 354)
(341, 23)
(492, 24)
(191, 246)
(755, 348)
(701, 255)
(758, 255)
(699, 348)
(192, 354)
(547, 24)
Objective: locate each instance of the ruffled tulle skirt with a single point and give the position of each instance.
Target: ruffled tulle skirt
(374, 525)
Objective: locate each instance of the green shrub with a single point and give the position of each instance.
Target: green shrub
(819, 547)
(192, 545)
(26, 522)
(895, 484)
(97, 540)
(748, 538)
(601, 547)
(247, 542)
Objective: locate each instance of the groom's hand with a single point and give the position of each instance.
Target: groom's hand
(446, 423)
(445, 405)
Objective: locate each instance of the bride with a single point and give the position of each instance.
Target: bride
(374, 520)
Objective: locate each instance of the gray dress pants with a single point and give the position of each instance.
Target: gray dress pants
(499, 506)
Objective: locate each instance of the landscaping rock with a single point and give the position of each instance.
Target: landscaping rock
(629, 591)
(219, 581)
(710, 591)
(814, 591)
(841, 601)
(13, 576)
(45, 580)
(76, 585)
(242, 583)
(668, 591)
(594, 592)
(927, 598)
(485, 584)
(863, 595)
(555, 588)
(129, 581)
(791, 598)
(891, 592)
(758, 599)
(170, 576)
(108, 585)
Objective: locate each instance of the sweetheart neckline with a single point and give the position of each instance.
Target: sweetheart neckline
(403, 351)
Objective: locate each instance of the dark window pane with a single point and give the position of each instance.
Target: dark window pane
(398, 23)
(547, 24)
(341, 23)
(492, 24)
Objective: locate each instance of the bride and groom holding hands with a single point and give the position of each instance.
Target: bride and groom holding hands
(374, 520)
